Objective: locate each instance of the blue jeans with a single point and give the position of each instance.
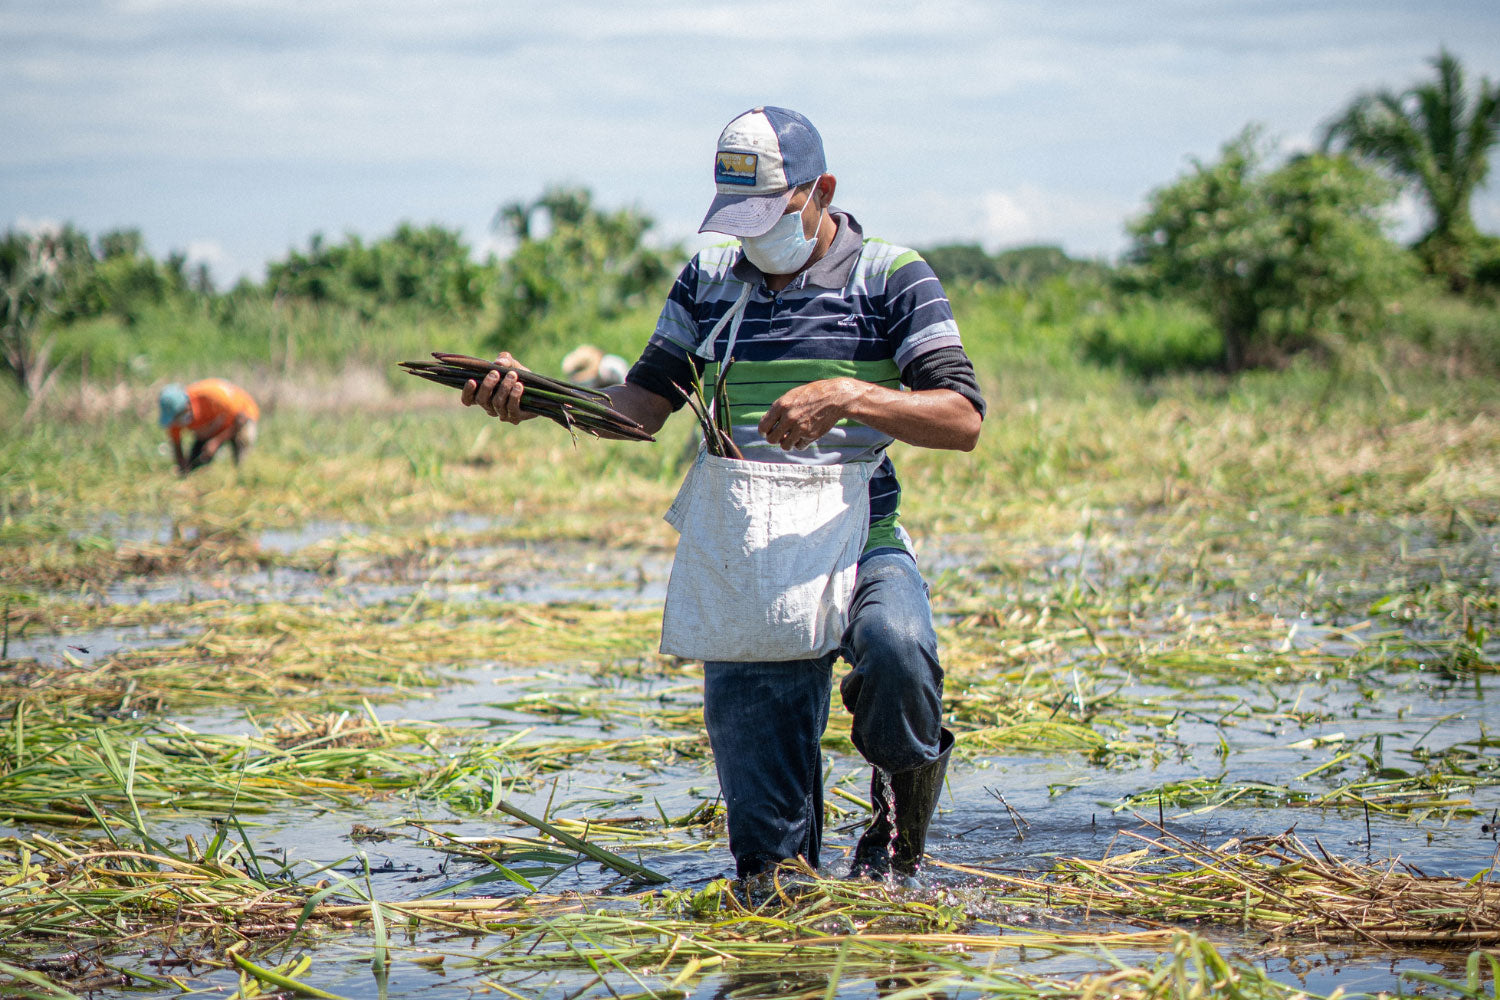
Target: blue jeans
(765, 721)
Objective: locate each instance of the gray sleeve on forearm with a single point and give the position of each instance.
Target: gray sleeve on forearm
(945, 368)
(660, 371)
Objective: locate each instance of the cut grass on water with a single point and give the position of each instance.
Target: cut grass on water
(214, 903)
(1253, 602)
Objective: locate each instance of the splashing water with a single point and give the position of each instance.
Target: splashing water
(888, 801)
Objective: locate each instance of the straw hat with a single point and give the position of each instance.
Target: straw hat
(581, 364)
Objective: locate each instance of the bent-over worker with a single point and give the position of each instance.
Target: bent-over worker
(216, 411)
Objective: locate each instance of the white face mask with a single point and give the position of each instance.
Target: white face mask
(783, 249)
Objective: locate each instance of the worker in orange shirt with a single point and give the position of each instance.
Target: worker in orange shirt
(216, 411)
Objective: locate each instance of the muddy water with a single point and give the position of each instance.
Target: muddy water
(465, 572)
(1063, 802)
(1054, 805)
(93, 646)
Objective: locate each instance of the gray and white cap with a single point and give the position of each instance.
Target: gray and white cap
(763, 155)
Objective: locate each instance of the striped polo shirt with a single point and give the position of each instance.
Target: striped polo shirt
(865, 309)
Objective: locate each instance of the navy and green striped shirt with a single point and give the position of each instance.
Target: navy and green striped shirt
(866, 309)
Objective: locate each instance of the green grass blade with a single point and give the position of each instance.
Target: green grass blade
(281, 982)
(39, 980)
(599, 854)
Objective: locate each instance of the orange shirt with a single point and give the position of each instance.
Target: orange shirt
(216, 403)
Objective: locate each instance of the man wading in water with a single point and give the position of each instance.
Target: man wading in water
(824, 326)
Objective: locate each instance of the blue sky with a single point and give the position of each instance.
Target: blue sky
(235, 129)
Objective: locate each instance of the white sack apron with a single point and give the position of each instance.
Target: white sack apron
(766, 559)
(766, 552)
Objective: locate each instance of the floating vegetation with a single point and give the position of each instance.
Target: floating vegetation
(1276, 885)
(1122, 630)
(298, 656)
(217, 905)
(72, 772)
(1433, 790)
(91, 563)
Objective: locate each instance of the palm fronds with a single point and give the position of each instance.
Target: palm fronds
(574, 406)
(713, 419)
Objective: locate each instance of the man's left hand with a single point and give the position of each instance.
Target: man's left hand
(809, 411)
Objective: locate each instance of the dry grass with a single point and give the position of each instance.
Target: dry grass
(1276, 885)
(63, 895)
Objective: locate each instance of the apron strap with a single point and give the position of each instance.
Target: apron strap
(705, 350)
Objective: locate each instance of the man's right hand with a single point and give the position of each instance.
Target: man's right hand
(496, 396)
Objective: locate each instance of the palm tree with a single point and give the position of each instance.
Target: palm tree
(1437, 138)
(29, 286)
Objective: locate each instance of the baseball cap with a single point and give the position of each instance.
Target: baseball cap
(763, 154)
(173, 402)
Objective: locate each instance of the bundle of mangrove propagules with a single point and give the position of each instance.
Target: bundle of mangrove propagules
(713, 418)
(574, 406)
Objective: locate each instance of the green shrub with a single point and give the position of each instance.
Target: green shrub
(1281, 259)
(1149, 337)
(962, 266)
(590, 268)
(1486, 266)
(428, 268)
(1444, 332)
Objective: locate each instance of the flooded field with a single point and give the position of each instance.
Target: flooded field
(1196, 756)
(382, 715)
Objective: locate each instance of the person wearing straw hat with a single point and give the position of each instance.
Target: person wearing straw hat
(216, 412)
(588, 365)
(837, 344)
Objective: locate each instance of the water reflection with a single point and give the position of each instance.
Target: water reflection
(765, 985)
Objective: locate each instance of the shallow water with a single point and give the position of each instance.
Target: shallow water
(1061, 806)
(619, 578)
(1012, 811)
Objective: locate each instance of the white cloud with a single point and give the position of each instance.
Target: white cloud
(1407, 217)
(207, 251)
(1030, 214)
(258, 122)
(1002, 218)
(37, 227)
(1487, 214)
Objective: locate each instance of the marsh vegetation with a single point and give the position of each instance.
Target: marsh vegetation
(381, 713)
(1220, 656)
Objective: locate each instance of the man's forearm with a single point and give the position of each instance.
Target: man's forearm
(641, 405)
(216, 440)
(928, 418)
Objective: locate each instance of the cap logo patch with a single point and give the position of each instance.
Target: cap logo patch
(735, 168)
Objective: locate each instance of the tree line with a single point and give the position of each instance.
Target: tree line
(1280, 256)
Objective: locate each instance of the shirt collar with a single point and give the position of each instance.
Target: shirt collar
(831, 270)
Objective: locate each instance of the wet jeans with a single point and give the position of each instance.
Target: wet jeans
(765, 720)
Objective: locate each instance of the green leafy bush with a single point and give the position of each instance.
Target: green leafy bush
(1148, 337)
(1446, 333)
(120, 278)
(429, 267)
(1281, 259)
(589, 268)
(965, 265)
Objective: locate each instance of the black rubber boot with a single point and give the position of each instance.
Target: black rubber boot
(915, 794)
